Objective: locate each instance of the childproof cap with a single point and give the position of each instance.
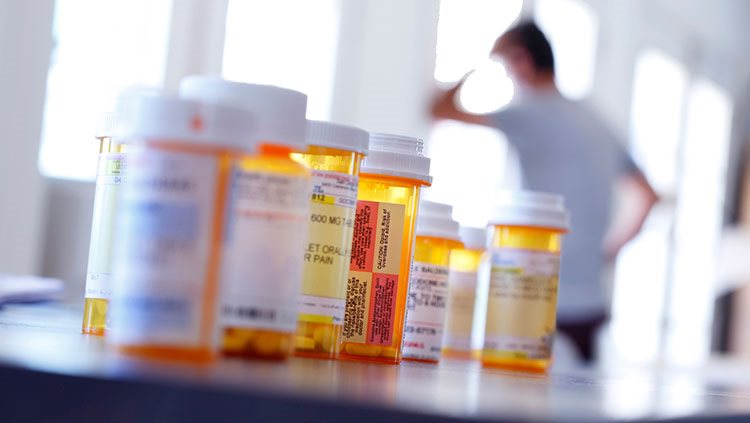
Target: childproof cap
(397, 156)
(144, 116)
(279, 112)
(531, 208)
(435, 220)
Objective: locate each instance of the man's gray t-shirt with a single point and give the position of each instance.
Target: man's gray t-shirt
(565, 149)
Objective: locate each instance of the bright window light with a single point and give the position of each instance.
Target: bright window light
(572, 27)
(638, 295)
(658, 93)
(470, 163)
(699, 219)
(486, 89)
(101, 48)
(467, 30)
(289, 43)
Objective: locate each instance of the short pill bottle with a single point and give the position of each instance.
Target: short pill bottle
(391, 178)
(168, 254)
(334, 155)
(466, 265)
(526, 239)
(109, 178)
(268, 215)
(437, 235)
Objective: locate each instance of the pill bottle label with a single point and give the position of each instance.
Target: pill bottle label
(169, 206)
(326, 256)
(262, 268)
(462, 288)
(374, 273)
(109, 177)
(425, 308)
(522, 303)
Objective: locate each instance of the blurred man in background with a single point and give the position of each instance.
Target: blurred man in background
(565, 149)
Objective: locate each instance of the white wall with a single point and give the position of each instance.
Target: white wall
(25, 43)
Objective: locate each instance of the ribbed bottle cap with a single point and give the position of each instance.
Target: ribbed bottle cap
(279, 112)
(397, 155)
(474, 238)
(166, 118)
(529, 208)
(106, 124)
(435, 220)
(333, 135)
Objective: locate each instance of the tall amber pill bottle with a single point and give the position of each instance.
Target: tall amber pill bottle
(168, 254)
(334, 155)
(391, 179)
(526, 238)
(268, 215)
(466, 267)
(109, 179)
(437, 237)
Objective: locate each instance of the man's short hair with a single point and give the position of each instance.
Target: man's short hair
(528, 36)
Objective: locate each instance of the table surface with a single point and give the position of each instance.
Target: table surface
(48, 370)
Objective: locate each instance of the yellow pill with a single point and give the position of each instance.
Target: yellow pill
(323, 336)
(101, 306)
(266, 344)
(305, 329)
(362, 349)
(389, 352)
(304, 343)
(233, 343)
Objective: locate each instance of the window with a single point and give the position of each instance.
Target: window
(698, 222)
(101, 47)
(572, 27)
(680, 130)
(266, 43)
(469, 163)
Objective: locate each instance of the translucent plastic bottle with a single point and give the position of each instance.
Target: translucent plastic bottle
(527, 229)
(334, 156)
(169, 249)
(437, 236)
(465, 271)
(268, 215)
(382, 246)
(109, 178)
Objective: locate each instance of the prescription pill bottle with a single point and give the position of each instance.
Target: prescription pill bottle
(268, 217)
(437, 236)
(334, 155)
(391, 178)
(172, 222)
(109, 178)
(466, 265)
(526, 237)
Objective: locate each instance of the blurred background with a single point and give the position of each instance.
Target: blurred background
(672, 77)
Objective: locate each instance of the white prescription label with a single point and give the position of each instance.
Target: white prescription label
(423, 331)
(165, 241)
(522, 303)
(459, 316)
(262, 267)
(109, 178)
(326, 257)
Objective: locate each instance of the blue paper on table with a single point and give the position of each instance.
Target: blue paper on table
(24, 289)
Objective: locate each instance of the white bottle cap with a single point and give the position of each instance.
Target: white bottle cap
(333, 135)
(106, 124)
(474, 238)
(166, 118)
(435, 220)
(279, 112)
(399, 156)
(528, 208)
